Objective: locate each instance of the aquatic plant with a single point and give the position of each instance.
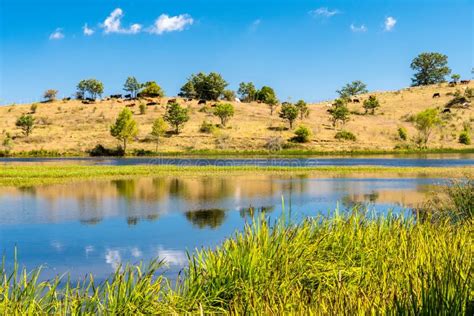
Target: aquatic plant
(342, 264)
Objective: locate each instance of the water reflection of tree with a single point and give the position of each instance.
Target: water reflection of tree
(125, 188)
(349, 202)
(252, 211)
(178, 188)
(211, 218)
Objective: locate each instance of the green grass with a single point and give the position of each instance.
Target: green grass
(27, 175)
(254, 153)
(346, 264)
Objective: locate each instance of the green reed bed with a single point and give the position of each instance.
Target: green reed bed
(345, 264)
(24, 175)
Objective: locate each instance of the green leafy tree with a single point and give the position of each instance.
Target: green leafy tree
(289, 112)
(188, 91)
(430, 68)
(229, 95)
(50, 95)
(132, 85)
(176, 116)
(158, 130)
(26, 123)
(456, 78)
(125, 128)
(247, 92)
(224, 111)
(267, 95)
(204, 86)
(92, 87)
(339, 112)
(371, 104)
(152, 90)
(425, 122)
(352, 89)
(303, 109)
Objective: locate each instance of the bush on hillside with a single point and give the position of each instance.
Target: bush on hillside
(345, 135)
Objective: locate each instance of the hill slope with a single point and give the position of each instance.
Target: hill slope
(70, 126)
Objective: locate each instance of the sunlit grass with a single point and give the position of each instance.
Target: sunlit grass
(25, 175)
(346, 264)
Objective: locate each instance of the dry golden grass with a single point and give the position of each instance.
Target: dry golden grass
(75, 127)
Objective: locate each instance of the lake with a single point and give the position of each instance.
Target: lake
(93, 226)
(425, 160)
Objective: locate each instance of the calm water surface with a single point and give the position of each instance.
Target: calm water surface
(427, 160)
(94, 226)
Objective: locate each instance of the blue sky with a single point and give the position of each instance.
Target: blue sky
(304, 49)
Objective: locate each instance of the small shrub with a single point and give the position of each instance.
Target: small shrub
(142, 108)
(33, 108)
(224, 111)
(302, 134)
(26, 123)
(100, 150)
(345, 135)
(274, 143)
(402, 133)
(465, 138)
(207, 127)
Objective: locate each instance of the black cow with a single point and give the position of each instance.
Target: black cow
(356, 100)
(116, 96)
(202, 102)
(127, 96)
(446, 111)
(436, 95)
(465, 81)
(171, 101)
(67, 99)
(151, 103)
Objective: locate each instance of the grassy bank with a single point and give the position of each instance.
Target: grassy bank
(25, 175)
(246, 153)
(340, 265)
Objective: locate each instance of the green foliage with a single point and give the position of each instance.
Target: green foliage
(402, 133)
(176, 116)
(455, 77)
(50, 95)
(207, 127)
(91, 86)
(343, 265)
(142, 108)
(158, 130)
(465, 137)
(224, 111)
(371, 104)
(26, 123)
(8, 142)
(152, 90)
(203, 86)
(247, 92)
(267, 95)
(302, 134)
(469, 93)
(303, 109)
(33, 108)
(430, 68)
(289, 112)
(125, 128)
(339, 112)
(229, 95)
(345, 135)
(425, 122)
(352, 89)
(132, 85)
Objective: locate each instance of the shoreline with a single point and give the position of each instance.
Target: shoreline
(295, 153)
(30, 175)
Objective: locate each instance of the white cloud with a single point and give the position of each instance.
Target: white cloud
(324, 12)
(172, 257)
(113, 24)
(57, 34)
(255, 24)
(390, 23)
(358, 29)
(87, 31)
(113, 258)
(166, 23)
(136, 252)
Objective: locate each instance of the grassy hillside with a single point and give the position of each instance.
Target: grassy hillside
(73, 127)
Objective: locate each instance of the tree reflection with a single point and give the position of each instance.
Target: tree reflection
(252, 211)
(211, 218)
